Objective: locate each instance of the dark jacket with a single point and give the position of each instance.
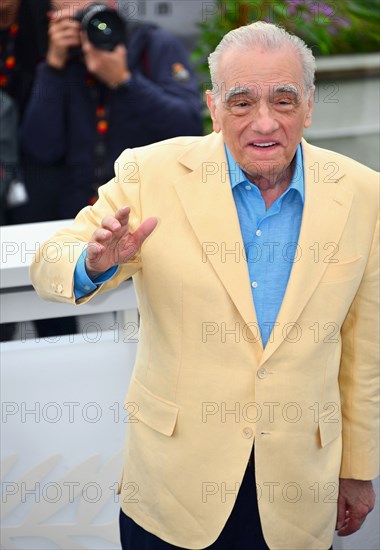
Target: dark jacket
(9, 159)
(30, 48)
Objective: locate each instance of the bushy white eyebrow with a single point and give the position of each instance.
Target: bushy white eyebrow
(237, 90)
(277, 89)
(286, 89)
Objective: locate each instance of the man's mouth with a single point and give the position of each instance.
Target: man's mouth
(264, 145)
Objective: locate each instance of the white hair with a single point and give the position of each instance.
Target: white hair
(269, 37)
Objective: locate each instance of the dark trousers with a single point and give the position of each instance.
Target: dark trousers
(241, 532)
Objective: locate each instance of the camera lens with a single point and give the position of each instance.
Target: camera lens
(105, 28)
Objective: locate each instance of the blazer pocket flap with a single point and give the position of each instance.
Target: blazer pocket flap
(328, 430)
(152, 410)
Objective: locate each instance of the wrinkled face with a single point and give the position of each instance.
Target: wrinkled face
(261, 109)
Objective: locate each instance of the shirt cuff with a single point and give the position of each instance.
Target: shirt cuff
(83, 285)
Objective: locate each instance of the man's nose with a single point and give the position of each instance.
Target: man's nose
(264, 120)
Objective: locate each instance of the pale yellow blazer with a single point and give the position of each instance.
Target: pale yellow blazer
(203, 388)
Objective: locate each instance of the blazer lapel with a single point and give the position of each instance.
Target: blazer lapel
(326, 209)
(206, 197)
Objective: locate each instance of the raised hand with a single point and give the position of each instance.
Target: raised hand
(113, 244)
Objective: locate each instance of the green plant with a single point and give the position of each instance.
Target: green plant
(349, 26)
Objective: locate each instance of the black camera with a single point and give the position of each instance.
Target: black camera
(104, 27)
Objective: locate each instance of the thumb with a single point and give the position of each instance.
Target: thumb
(144, 230)
(122, 53)
(120, 48)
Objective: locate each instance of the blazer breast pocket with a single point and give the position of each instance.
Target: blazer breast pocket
(342, 271)
(154, 411)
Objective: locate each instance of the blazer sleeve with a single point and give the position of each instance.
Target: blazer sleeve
(52, 269)
(359, 376)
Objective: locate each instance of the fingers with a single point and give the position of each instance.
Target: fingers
(143, 231)
(350, 517)
(118, 226)
(108, 66)
(86, 44)
(356, 500)
(65, 40)
(63, 19)
(122, 215)
(58, 14)
(129, 246)
(341, 512)
(111, 226)
(101, 235)
(118, 221)
(63, 34)
(352, 523)
(112, 243)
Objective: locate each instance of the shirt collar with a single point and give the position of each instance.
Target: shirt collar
(237, 175)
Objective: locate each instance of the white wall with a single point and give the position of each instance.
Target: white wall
(63, 431)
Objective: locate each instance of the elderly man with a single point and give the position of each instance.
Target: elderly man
(255, 379)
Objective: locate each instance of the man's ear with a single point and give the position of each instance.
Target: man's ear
(212, 107)
(310, 105)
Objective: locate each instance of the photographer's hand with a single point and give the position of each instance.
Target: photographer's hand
(109, 67)
(64, 33)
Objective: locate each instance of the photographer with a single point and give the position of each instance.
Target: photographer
(89, 104)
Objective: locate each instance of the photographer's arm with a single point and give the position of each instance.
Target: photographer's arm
(43, 127)
(167, 98)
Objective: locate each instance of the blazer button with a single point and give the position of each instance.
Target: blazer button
(59, 289)
(262, 373)
(247, 433)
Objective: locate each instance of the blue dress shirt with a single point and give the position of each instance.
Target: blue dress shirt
(82, 283)
(270, 239)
